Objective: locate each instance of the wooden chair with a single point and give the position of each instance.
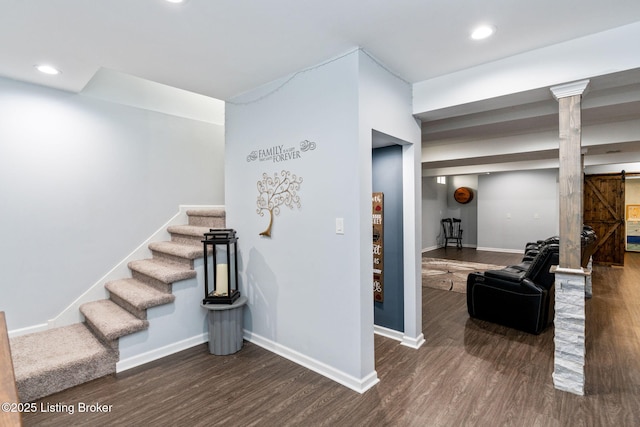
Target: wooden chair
(452, 231)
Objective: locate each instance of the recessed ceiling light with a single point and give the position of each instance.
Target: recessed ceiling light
(482, 32)
(47, 69)
(177, 1)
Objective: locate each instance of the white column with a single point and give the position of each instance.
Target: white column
(569, 340)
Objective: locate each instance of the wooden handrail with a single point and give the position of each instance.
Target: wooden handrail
(9, 414)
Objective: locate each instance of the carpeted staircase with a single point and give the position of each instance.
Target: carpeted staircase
(50, 361)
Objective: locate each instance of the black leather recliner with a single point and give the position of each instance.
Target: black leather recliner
(588, 240)
(519, 296)
(522, 296)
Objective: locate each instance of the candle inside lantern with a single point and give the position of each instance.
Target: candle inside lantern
(222, 284)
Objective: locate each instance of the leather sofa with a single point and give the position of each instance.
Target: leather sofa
(519, 296)
(588, 239)
(522, 296)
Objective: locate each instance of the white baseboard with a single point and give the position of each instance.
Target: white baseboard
(509, 251)
(159, 353)
(406, 341)
(414, 343)
(388, 333)
(359, 385)
(28, 330)
(450, 245)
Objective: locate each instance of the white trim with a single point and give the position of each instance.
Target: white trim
(388, 333)
(412, 228)
(414, 343)
(569, 89)
(405, 340)
(570, 271)
(453, 245)
(28, 330)
(97, 291)
(161, 352)
(509, 251)
(360, 385)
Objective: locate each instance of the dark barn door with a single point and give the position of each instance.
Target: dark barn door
(604, 211)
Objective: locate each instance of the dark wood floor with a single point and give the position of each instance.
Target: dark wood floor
(469, 373)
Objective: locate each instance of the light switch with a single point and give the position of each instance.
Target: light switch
(339, 225)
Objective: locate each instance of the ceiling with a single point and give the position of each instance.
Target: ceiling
(223, 48)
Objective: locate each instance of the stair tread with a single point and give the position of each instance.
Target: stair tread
(213, 212)
(57, 349)
(181, 250)
(111, 320)
(163, 271)
(138, 294)
(189, 230)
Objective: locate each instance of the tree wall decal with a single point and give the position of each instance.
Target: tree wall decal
(275, 191)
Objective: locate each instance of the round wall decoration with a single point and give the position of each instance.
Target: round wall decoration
(463, 195)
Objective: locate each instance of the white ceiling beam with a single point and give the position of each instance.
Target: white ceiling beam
(594, 55)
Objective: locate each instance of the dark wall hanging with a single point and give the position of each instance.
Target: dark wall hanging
(463, 195)
(377, 203)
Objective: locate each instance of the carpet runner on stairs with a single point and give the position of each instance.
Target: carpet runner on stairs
(53, 360)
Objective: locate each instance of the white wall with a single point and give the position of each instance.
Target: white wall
(309, 289)
(434, 208)
(438, 203)
(632, 191)
(516, 207)
(83, 182)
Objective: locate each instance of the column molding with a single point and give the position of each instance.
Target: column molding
(570, 89)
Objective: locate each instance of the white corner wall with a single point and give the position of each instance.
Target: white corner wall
(385, 106)
(309, 288)
(304, 282)
(515, 208)
(83, 182)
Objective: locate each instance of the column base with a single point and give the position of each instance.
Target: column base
(569, 356)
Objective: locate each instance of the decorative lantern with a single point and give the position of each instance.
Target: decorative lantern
(224, 267)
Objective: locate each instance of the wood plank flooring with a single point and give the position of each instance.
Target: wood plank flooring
(468, 373)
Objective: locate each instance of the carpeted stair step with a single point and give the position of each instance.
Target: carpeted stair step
(136, 297)
(110, 321)
(159, 274)
(210, 218)
(56, 359)
(177, 253)
(188, 234)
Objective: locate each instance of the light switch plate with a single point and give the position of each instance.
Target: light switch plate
(339, 225)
